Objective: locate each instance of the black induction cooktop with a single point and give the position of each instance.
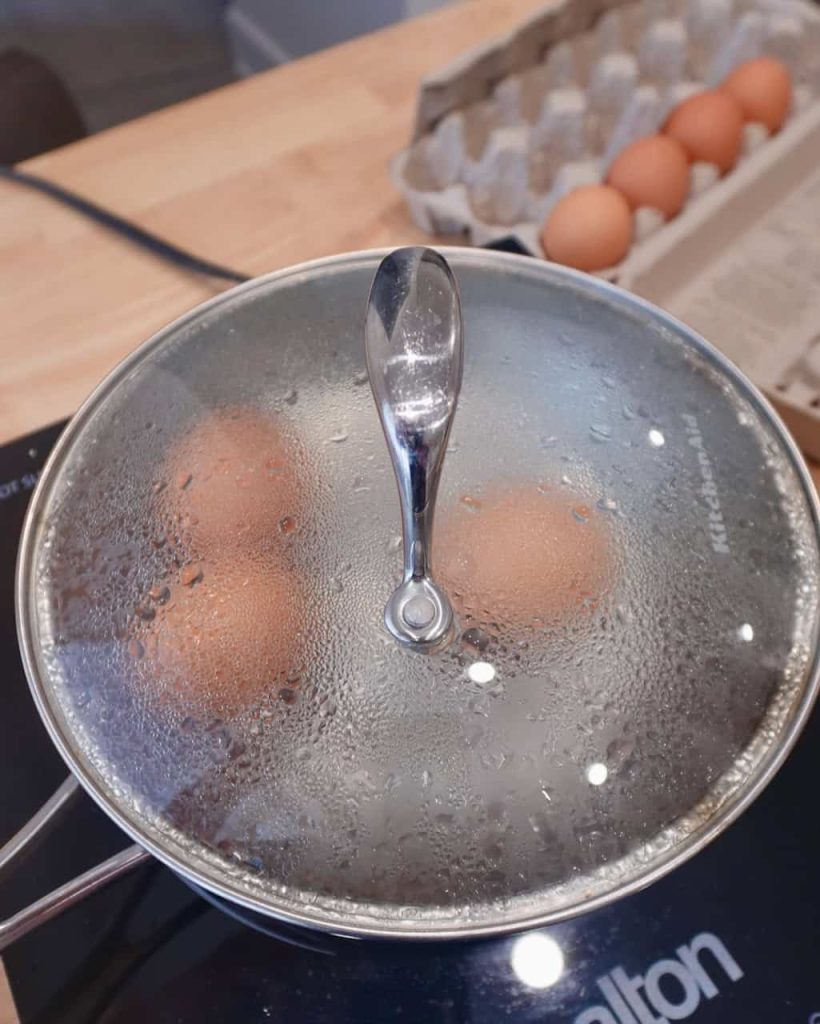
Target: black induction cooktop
(732, 937)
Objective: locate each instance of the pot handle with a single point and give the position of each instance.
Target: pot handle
(60, 899)
(414, 349)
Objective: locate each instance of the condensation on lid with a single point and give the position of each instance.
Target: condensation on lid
(629, 546)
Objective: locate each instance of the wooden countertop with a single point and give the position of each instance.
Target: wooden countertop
(279, 168)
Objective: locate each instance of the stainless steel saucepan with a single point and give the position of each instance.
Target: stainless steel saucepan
(291, 689)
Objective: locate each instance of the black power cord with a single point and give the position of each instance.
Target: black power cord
(153, 243)
(119, 225)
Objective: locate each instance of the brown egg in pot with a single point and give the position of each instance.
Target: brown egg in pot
(222, 637)
(235, 479)
(524, 556)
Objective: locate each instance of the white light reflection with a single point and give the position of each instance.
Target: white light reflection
(656, 438)
(481, 672)
(597, 774)
(537, 960)
(746, 633)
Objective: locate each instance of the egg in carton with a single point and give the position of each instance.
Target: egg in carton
(506, 132)
(509, 130)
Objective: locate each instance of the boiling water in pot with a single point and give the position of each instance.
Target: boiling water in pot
(606, 689)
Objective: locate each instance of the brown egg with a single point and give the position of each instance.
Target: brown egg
(709, 126)
(521, 556)
(652, 172)
(763, 89)
(589, 229)
(234, 479)
(223, 637)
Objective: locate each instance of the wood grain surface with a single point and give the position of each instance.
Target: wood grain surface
(8, 1013)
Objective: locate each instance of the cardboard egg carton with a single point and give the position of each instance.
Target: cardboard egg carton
(743, 269)
(505, 132)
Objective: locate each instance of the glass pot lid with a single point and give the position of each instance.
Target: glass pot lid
(626, 536)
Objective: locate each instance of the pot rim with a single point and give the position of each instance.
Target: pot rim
(282, 908)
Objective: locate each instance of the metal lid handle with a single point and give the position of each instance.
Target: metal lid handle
(414, 346)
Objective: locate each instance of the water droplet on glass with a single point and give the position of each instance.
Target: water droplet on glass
(473, 504)
(359, 484)
(338, 437)
(628, 412)
(135, 648)
(600, 432)
(746, 633)
(191, 574)
(476, 638)
(478, 706)
(597, 774)
(182, 480)
(656, 438)
(288, 525)
(292, 396)
(426, 779)
(361, 378)
(548, 442)
(160, 594)
(619, 751)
